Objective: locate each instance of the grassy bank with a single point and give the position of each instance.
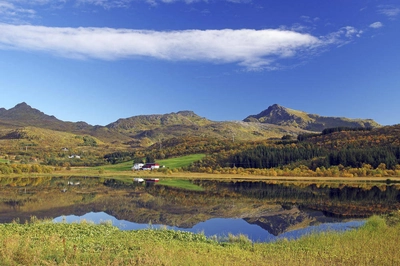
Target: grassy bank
(45, 243)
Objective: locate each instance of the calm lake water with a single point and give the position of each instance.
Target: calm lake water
(219, 227)
(264, 211)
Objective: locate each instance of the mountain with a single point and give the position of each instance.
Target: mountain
(187, 123)
(279, 115)
(37, 129)
(23, 122)
(23, 115)
(146, 122)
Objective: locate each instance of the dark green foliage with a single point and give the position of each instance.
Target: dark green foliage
(268, 157)
(118, 157)
(356, 157)
(339, 129)
(287, 137)
(313, 156)
(89, 141)
(149, 159)
(303, 137)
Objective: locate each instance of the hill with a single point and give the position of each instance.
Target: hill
(23, 126)
(155, 128)
(279, 115)
(23, 115)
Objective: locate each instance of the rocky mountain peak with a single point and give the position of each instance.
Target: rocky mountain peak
(274, 114)
(187, 113)
(24, 112)
(22, 105)
(279, 115)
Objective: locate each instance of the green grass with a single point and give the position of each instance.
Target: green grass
(125, 166)
(46, 243)
(4, 161)
(184, 184)
(182, 161)
(172, 163)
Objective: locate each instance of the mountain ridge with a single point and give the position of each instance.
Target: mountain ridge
(279, 115)
(274, 114)
(274, 122)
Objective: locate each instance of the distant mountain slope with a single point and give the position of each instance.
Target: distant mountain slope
(279, 115)
(187, 123)
(23, 115)
(148, 122)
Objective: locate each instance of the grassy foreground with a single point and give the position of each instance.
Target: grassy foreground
(46, 243)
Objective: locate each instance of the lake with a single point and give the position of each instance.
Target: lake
(264, 211)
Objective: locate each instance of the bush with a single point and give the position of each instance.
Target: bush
(393, 219)
(375, 223)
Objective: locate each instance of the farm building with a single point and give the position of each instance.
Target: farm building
(150, 166)
(137, 166)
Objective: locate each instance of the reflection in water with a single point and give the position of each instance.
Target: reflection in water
(219, 227)
(261, 210)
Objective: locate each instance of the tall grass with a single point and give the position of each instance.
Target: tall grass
(182, 161)
(46, 243)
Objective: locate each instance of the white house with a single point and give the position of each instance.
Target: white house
(137, 166)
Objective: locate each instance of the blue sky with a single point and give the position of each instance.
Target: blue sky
(100, 60)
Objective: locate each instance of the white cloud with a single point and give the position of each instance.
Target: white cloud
(34, 2)
(376, 25)
(125, 3)
(389, 11)
(105, 3)
(7, 8)
(249, 48)
(14, 14)
(196, 1)
(341, 37)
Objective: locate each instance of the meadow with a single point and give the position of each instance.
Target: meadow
(48, 243)
(178, 162)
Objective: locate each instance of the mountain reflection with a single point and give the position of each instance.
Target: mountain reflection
(277, 207)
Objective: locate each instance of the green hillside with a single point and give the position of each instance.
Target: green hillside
(182, 161)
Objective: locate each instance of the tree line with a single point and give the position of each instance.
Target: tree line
(309, 155)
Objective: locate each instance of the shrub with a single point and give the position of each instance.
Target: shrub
(375, 223)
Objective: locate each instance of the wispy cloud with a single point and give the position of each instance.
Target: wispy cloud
(111, 3)
(390, 11)
(196, 1)
(107, 4)
(34, 2)
(343, 36)
(11, 12)
(252, 49)
(376, 25)
(126, 3)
